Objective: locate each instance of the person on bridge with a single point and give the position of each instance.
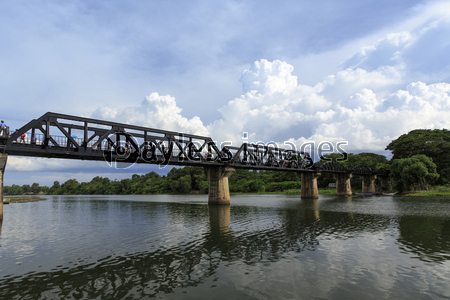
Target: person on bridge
(3, 129)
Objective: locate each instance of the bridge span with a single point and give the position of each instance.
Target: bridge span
(56, 135)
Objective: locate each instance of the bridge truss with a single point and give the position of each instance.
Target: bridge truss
(71, 137)
(56, 135)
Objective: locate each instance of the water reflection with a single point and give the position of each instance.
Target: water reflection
(219, 221)
(186, 245)
(427, 237)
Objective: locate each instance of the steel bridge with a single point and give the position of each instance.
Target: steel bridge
(56, 135)
(63, 136)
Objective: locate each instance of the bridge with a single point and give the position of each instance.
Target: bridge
(56, 135)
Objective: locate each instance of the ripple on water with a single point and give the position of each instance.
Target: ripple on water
(79, 247)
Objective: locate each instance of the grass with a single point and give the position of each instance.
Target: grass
(292, 192)
(21, 199)
(435, 191)
(327, 192)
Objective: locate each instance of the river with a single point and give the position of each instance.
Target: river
(260, 247)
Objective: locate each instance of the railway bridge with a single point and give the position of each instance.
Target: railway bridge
(55, 135)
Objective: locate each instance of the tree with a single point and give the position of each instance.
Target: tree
(181, 186)
(35, 189)
(70, 187)
(369, 160)
(13, 190)
(55, 189)
(432, 143)
(413, 172)
(26, 188)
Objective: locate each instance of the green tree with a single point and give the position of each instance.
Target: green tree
(153, 183)
(70, 187)
(413, 172)
(26, 188)
(182, 185)
(13, 190)
(434, 143)
(55, 189)
(35, 189)
(365, 159)
(253, 186)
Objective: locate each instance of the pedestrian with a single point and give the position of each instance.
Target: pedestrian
(33, 139)
(3, 129)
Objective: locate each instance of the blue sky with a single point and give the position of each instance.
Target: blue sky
(358, 71)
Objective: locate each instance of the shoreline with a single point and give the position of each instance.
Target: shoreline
(21, 199)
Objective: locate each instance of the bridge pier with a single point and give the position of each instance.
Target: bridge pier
(385, 183)
(343, 185)
(368, 183)
(310, 189)
(219, 191)
(3, 159)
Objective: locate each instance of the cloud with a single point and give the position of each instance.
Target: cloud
(361, 109)
(156, 111)
(354, 105)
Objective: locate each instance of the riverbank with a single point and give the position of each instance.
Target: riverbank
(287, 192)
(7, 200)
(438, 191)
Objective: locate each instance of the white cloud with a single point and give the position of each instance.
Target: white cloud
(156, 111)
(274, 107)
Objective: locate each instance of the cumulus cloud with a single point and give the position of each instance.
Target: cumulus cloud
(156, 111)
(362, 109)
(354, 105)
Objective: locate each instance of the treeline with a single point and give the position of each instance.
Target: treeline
(177, 181)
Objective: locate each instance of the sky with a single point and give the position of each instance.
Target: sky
(359, 72)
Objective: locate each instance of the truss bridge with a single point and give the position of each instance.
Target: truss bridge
(56, 135)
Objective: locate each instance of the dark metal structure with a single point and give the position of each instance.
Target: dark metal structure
(335, 167)
(64, 136)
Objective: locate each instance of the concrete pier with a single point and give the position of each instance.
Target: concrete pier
(3, 159)
(368, 183)
(310, 189)
(219, 191)
(343, 185)
(385, 183)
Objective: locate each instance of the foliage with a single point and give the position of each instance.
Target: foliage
(370, 160)
(432, 143)
(413, 172)
(177, 180)
(437, 191)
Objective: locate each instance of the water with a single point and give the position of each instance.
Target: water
(262, 247)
